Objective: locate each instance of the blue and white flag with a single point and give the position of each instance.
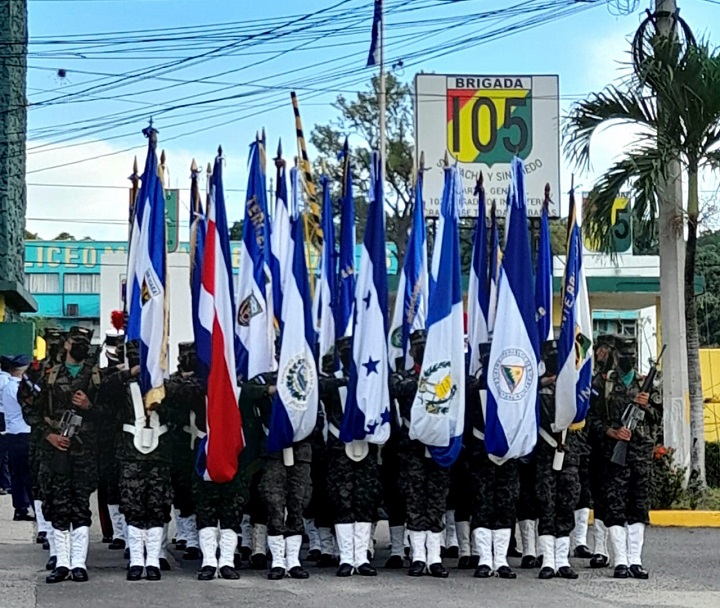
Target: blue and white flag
(346, 283)
(146, 280)
(544, 280)
(280, 245)
(495, 265)
(198, 232)
(255, 327)
(438, 413)
(412, 294)
(374, 54)
(326, 288)
(572, 390)
(295, 404)
(367, 411)
(479, 289)
(511, 414)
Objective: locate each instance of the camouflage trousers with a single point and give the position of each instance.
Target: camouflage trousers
(393, 498)
(181, 476)
(353, 487)
(459, 499)
(109, 476)
(527, 504)
(255, 506)
(585, 495)
(627, 492)
(557, 492)
(596, 482)
(66, 495)
(319, 506)
(286, 492)
(220, 503)
(36, 456)
(145, 493)
(495, 489)
(425, 485)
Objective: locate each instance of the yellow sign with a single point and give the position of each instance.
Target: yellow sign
(620, 221)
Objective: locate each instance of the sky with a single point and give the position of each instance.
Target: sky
(92, 89)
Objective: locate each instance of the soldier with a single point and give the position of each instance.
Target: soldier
(69, 418)
(426, 484)
(626, 487)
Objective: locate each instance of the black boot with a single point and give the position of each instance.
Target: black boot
(51, 563)
(298, 572)
(41, 538)
(164, 565)
(180, 545)
(106, 540)
(46, 545)
(117, 544)
(464, 563)
(567, 572)
(483, 571)
(452, 553)
(582, 552)
(528, 562)
(546, 573)
(417, 569)
(313, 555)
(599, 561)
(229, 573)
(134, 573)
(367, 569)
(344, 571)
(152, 573)
(438, 570)
(192, 554)
(23, 515)
(474, 561)
(58, 575)
(637, 571)
(327, 561)
(621, 572)
(207, 573)
(258, 561)
(394, 562)
(276, 574)
(506, 572)
(245, 553)
(79, 575)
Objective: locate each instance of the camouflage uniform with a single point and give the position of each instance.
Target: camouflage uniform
(391, 477)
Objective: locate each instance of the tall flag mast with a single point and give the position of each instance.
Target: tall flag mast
(377, 57)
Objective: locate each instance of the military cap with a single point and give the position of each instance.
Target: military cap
(549, 348)
(604, 340)
(343, 343)
(418, 337)
(80, 334)
(186, 348)
(16, 362)
(625, 343)
(53, 333)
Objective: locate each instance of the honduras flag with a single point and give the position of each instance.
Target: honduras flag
(146, 280)
(572, 392)
(281, 244)
(367, 411)
(412, 293)
(511, 415)
(478, 289)
(254, 296)
(326, 290)
(346, 287)
(495, 265)
(295, 405)
(198, 230)
(438, 412)
(374, 54)
(544, 280)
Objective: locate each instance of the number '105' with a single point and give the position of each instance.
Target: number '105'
(513, 142)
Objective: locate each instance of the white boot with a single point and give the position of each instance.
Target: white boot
(482, 546)
(344, 537)
(117, 520)
(371, 540)
(527, 537)
(635, 542)
(153, 544)
(246, 531)
(136, 546)
(228, 544)
(62, 547)
(450, 537)
(208, 546)
(463, 536)
(277, 549)
(292, 551)
(362, 537)
(501, 544)
(327, 541)
(579, 533)
(313, 535)
(191, 532)
(618, 542)
(562, 552)
(41, 523)
(433, 542)
(163, 543)
(260, 539)
(51, 541)
(80, 538)
(417, 546)
(546, 545)
(397, 536)
(600, 537)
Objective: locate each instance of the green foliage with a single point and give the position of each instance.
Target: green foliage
(31, 236)
(708, 304)
(236, 231)
(666, 483)
(712, 464)
(64, 236)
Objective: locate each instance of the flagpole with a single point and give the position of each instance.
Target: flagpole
(382, 93)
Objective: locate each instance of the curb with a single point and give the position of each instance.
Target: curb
(685, 519)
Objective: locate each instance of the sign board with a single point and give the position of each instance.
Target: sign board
(482, 122)
(172, 210)
(621, 222)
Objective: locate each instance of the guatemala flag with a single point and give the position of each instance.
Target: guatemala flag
(479, 288)
(216, 313)
(495, 265)
(572, 390)
(198, 230)
(346, 286)
(255, 327)
(511, 414)
(438, 412)
(544, 280)
(146, 280)
(412, 292)
(295, 405)
(326, 290)
(367, 411)
(374, 54)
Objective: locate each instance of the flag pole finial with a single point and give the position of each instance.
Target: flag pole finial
(546, 202)
(135, 166)
(446, 160)
(209, 170)
(279, 148)
(220, 151)
(572, 183)
(422, 161)
(193, 166)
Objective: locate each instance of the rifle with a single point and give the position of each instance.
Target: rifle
(634, 414)
(69, 425)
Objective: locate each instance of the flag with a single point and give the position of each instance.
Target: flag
(478, 289)
(572, 390)
(346, 287)
(411, 301)
(255, 314)
(495, 265)
(544, 280)
(280, 243)
(146, 279)
(511, 413)
(367, 411)
(325, 299)
(438, 412)
(295, 404)
(374, 54)
(198, 230)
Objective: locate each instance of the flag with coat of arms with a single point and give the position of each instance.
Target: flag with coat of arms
(478, 288)
(325, 299)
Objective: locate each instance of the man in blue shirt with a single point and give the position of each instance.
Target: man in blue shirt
(4, 472)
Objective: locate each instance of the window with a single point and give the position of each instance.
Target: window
(42, 283)
(82, 283)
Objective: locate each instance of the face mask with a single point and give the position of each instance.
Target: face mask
(79, 351)
(626, 364)
(418, 354)
(188, 363)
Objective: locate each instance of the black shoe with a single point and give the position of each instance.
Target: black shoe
(464, 563)
(229, 574)
(135, 573)
(246, 552)
(126, 553)
(483, 571)
(106, 540)
(621, 572)
(58, 575)
(327, 561)
(539, 561)
(22, 516)
(438, 571)
(299, 572)
(452, 552)
(258, 561)
(46, 545)
(313, 555)
(567, 572)
(207, 573)
(599, 561)
(152, 573)
(164, 565)
(474, 561)
(367, 570)
(417, 569)
(276, 574)
(41, 538)
(582, 552)
(51, 564)
(506, 572)
(180, 545)
(344, 571)
(192, 554)
(394, 562)
(116, 544)
(79, 575)
(546, 573)
(528, 562)
(637, 571)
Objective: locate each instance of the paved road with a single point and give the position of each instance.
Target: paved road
(684, 565)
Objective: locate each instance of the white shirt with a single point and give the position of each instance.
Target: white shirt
(14, 422)
(4, 379)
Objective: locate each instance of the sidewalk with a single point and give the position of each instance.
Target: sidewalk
(18, 575)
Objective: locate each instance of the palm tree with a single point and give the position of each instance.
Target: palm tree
(682, 80)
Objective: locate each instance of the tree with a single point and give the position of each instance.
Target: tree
(683, 81)
(31, 236)
(236, 231)
(64, 236)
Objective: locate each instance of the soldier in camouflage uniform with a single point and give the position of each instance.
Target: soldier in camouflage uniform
(626, 488)
(68, 465)
(353, 482)
(426, 483)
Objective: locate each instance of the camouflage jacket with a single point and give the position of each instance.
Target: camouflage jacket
(403, 388)
(575, 437)
(185, 395)
(330, 397)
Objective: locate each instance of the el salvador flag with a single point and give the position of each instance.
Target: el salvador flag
(572, 391)
(479, 289)
(438, 412)
(374, 54)
(281, 244)
(198, 231)
(412, 293)
(495, 265)
(367, 411)
(255, 315)
(146, 285)
(325, 299)
(511, 413)
(544, 280)
(346, 286)
(295, 405)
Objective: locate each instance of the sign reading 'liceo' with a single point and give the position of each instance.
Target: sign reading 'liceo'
(482, 122)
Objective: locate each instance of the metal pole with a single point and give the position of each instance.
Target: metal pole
(382, 97)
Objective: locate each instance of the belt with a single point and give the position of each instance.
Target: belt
(130, 428)
(548, 438)
(479, 434)
(334, 431)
